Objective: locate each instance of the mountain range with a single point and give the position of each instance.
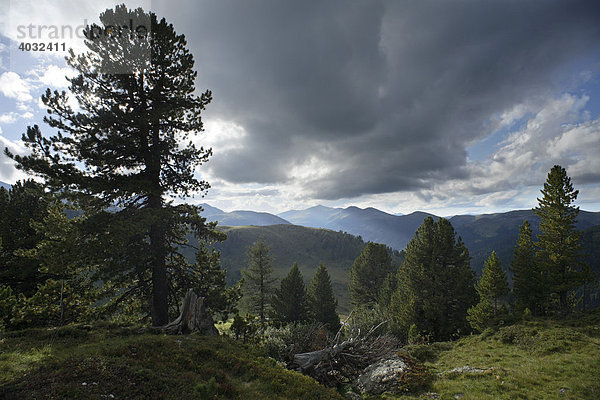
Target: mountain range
(241, 218)
(395, 230)
(335, 236)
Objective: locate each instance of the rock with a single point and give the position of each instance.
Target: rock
(382, 376)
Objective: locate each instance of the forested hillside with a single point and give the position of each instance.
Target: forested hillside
(498, 232)
(309, 246)
(291, 243)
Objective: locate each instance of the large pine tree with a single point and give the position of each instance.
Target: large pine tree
(528, 284)
(559, 242)
(289, 300)
(368, 273)
(321, 300)
(129, 144)
(435, 283)
(257, 288)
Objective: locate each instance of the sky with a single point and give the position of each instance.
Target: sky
(453, 107)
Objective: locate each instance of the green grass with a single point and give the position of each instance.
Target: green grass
(529, 360)
(91, 363)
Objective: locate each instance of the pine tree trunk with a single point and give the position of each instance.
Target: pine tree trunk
(62, 302)
(193, 318)
(160, 288)
(564, 305)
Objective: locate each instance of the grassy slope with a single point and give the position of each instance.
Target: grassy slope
(530, 360)
(72, 362)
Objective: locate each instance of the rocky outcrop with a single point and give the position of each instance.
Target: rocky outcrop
(382, 376)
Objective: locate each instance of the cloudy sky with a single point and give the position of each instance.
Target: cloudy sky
(448, 107)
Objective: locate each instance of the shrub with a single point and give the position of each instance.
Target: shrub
(8, 305)
(363, 318)
(283, 343)
(428, 352)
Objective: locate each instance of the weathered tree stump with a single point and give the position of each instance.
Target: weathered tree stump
(193, 318)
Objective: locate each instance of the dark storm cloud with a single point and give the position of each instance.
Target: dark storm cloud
(388, 94)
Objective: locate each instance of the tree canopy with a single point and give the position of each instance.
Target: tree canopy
(23, 203)
(435, 283)
(493, 284)
(559, 242)
(528, 280)
(130, 145)
(322, 302)
(257, 287)
(368, 273)
(289, 300)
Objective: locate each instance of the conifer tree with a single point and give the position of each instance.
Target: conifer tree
(322, 302)
(528, 285)
(289, 301)
(435, 283)
(493, 284)
(559, 243)
(129, 145)
(491, 287)
(368, 273)
(25, 202)
(258, 282)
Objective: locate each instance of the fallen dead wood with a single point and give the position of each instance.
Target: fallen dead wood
(342, 362)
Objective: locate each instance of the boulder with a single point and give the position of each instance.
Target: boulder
(383, 376)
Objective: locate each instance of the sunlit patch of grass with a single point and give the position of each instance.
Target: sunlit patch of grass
(16, 362)
(539, 359)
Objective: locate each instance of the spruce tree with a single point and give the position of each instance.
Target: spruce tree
(528, 285)
(368, 273)
(435, 283)
(129, 145)
(559, 243)
(258, 282)
(322, 302)
(289, 300)
(493, 284)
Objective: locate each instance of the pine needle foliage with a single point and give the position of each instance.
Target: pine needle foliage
(130, 144)
(559, 242)
(435, 283)
(257, 287)
(528, 281)
(289, 301)
(368, 273)
(322, 302)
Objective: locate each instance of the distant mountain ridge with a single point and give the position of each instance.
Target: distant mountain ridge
(369, 223)
(240, 217)
(482, 233)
